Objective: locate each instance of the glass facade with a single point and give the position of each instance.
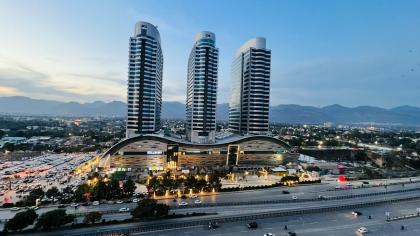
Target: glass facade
(250, 89)
(144, 97)
(202, 89)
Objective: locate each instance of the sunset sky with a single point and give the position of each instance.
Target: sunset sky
(323, 52)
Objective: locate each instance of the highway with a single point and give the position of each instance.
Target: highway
(239, 211)
(330, 224)
(302, 192)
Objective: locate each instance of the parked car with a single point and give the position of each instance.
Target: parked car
(291, 234)
(197, 201)
(285, 192)
(15, 209)
(295, 197)
(95, 203)
(119, 202)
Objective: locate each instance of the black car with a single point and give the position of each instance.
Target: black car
(356, 213)
(213, 225)
(291, 234)
(285, 192)
(62, 206)
(252, 225)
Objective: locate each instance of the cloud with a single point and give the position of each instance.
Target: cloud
(8, 91)
(60, 86)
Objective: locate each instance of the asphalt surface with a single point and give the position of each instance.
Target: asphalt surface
(341, 223)
(302, 192)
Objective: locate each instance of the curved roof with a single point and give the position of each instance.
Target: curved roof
(204, 35)
(151, 30)
(257, 43)
(170, 140)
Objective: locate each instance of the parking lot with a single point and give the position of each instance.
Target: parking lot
(18, 178)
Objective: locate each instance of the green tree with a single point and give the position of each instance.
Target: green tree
(129, 187)
(93, 216)
(79, 194)
(54, 219)
(53, 193)
(115, 190)
(162, 210)
(289, 178)
(21, 220)
(145, 208)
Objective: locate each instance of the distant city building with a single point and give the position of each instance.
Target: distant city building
(250, 88)
(144, 98)
(202, 89)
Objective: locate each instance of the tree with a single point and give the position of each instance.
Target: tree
(114, 189)
(53, 193)
(289, 178)
(54, 219)
(21, 220)
(93, 216)
(129, 187)
(162, 210)
(33, 195)
(145, 208)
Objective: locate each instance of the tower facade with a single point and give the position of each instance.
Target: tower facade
(144, 97)
(202, 89)
(250, 88)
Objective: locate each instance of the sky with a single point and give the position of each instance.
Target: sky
(358, 52)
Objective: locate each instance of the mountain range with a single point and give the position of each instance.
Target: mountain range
(402, 115)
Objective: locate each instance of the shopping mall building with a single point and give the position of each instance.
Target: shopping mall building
(153, 152)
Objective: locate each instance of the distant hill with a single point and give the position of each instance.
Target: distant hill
(403, 115)
(29, 106)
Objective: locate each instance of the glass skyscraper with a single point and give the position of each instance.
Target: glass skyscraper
(144, 98)
(202, 89)
(250, 88)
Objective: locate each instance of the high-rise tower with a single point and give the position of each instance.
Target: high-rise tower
(250, 88)
(144, 98)
(202, 89)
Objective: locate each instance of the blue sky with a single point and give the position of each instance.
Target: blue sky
(352, 53)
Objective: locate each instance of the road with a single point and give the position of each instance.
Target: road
(302, 192)
(230, 211)
(331, 224)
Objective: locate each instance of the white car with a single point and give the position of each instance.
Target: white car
(295, 197)
(193, 196)
(124, 209)
(15, 209)
(74, 205)
(362, 230)
(95, 203)
(135, 200)
(119, 202)
(197, 201)
(269, 234)
(183, 204)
